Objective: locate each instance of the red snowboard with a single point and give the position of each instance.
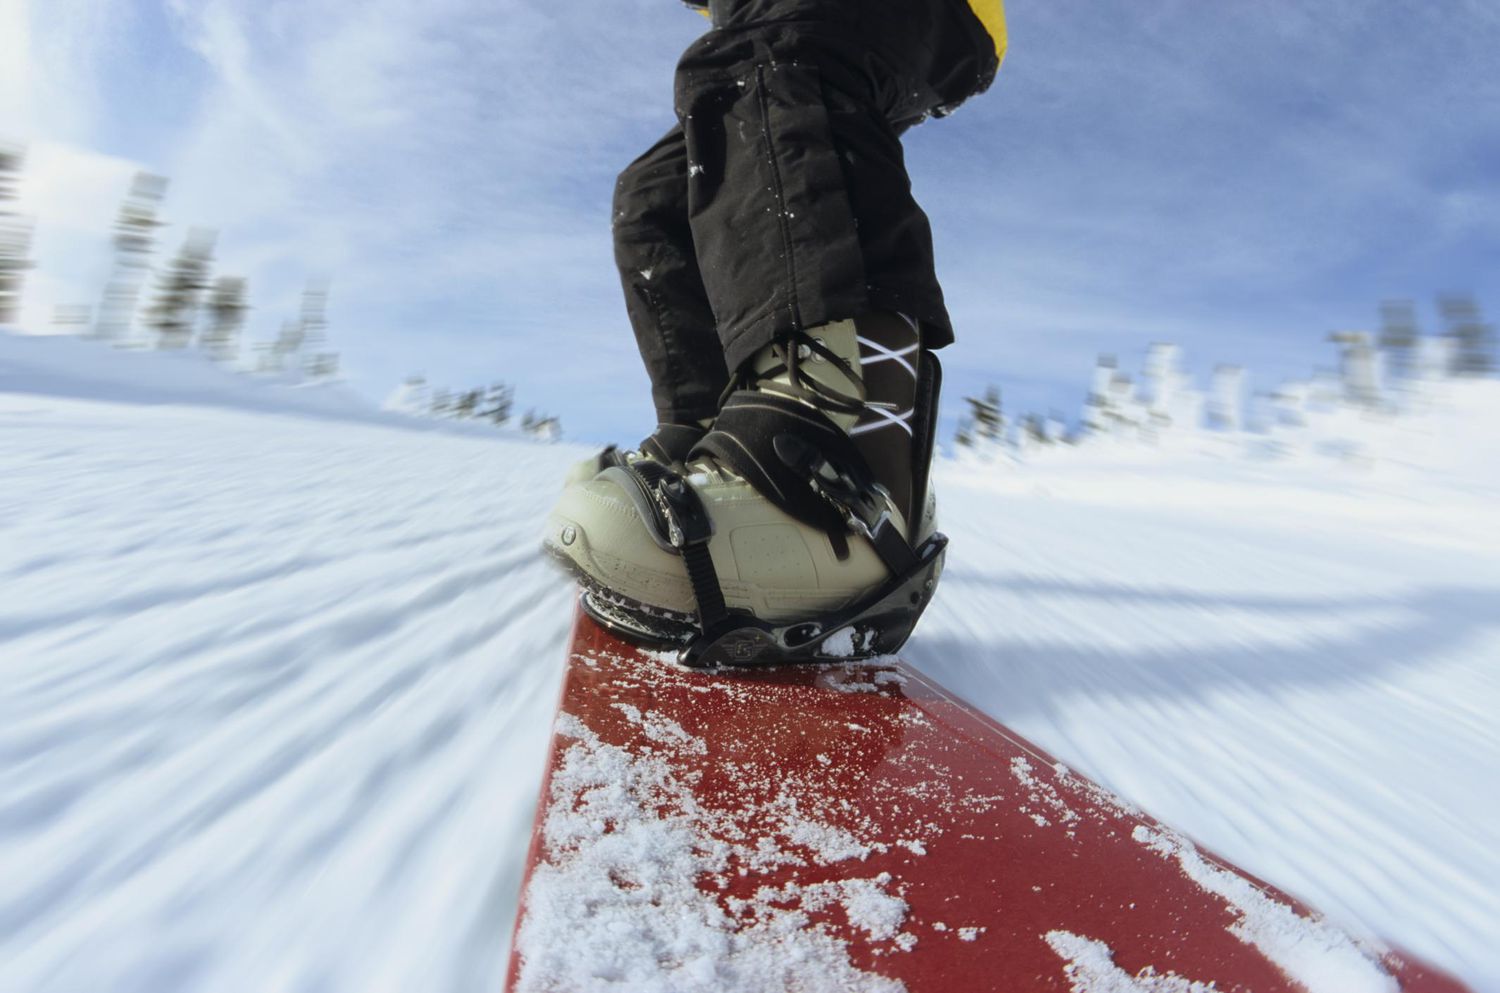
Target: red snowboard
(856, 827)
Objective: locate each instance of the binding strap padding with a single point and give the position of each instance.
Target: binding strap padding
(670, 443)
(744, 439)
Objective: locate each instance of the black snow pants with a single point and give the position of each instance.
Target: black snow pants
(780, 201)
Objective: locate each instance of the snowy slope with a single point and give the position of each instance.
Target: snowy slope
(278, 686)
(277, 693)
(1293, 659)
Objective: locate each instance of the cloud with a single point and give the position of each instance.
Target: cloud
(448, 165)
(1237, 178)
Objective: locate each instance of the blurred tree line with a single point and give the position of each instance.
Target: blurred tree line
(493, 404)
(15, 236)
(1372, 366)
(189, 305)
(183, 303)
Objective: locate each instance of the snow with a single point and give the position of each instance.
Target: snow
(280, 669)
(1322, 958)
(626, 899)
(1283, 646)
(276, 690)
(1090, 968)
(58, 366)
(840, 644)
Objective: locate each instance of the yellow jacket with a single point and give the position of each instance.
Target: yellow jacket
(991, 14)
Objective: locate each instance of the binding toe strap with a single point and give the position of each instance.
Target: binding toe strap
(677, 521)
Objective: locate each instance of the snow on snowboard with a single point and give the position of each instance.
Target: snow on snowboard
(856, 827)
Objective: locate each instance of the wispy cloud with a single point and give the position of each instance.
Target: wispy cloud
(1239, 178)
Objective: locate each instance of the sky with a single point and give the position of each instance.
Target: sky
(1240, 178)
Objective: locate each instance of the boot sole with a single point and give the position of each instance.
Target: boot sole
(655, 627)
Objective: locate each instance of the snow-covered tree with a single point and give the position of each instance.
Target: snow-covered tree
(313, 328)
(986, 416)
(1096, 416)
(1122, 407)
(1434, 357)
(226, 319)
(134, 240)
(1166, 394)
(15, 238)
(1358, 368)
(287, 344)
(1055, 428)
(322, 365)
(413, 396)
(72, 318)
(1289, 404)
(1226, 401)
(1473, 340)
(1112, 406)
(1033, 433)
(542, 428)
(963, 434)
(1398, 340)
(296, 347)
(467, 403)
(174, 313)
(497, 403)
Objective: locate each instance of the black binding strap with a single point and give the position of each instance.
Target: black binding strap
(670, 443)
(863, 506)
(744, 439)
(802, 462)
(707, 592)
(677, 521)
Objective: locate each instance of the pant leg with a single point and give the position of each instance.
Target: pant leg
(664, 294)
(799, 202)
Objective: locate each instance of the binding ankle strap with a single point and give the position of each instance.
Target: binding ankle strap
(744, 439)
(677, 521)
(799, 460)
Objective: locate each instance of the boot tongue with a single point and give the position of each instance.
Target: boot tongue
(840, 338)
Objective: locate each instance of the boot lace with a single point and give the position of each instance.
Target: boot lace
(790, 353)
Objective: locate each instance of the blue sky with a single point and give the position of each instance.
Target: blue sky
(1238, 177)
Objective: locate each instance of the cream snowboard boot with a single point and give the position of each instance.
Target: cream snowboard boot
(788, 532)
(669, 444)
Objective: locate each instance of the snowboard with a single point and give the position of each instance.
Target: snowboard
(855, 826)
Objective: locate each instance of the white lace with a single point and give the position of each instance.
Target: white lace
(886, 413)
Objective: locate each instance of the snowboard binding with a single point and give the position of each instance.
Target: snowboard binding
(849, 502)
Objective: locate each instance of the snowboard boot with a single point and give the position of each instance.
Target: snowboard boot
(799, 528)
(669, 444)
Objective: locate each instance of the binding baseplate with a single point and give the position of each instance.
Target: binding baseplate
(878, 625)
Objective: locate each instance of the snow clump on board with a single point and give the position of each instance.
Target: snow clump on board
(1091, 968)
(1316, 954)
(626, 899)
